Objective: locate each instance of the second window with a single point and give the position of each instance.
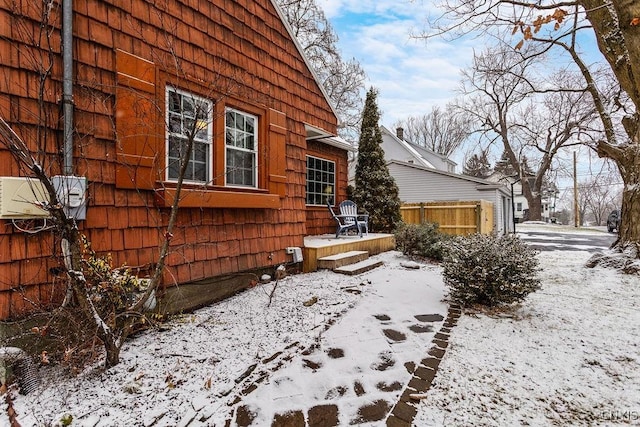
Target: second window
(241, 141)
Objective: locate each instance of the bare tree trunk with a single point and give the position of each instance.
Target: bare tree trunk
(532, 192)
(629, 233)
(535, 208)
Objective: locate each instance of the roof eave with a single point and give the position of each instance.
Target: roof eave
(306, 60)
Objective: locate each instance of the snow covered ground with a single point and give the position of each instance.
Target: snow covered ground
(349, 348)
(569, 355)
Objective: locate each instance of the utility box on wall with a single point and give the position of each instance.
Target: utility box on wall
(72, 194)
(22, 198)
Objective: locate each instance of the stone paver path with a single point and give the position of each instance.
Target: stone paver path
(360, 366)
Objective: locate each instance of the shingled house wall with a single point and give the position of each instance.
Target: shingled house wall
(236, 53)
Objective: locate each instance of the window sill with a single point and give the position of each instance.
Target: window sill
(199, 198)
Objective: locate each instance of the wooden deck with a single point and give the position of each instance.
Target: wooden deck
(320, 246)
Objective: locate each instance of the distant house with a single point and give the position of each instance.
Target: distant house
(421, 184)
(266, 156)
(521, 205)
(424, 176)
(397, 148)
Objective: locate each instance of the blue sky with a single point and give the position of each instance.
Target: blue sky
(413, 75)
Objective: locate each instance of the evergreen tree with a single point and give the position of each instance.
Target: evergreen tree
(477, 165)
(504, 166)
(376, 190)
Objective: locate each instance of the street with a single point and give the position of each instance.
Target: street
(552, 238)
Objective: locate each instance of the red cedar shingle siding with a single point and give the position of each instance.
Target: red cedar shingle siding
(232, 52)
(318, 219)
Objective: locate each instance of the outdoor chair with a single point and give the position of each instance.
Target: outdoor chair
(348, 218)
(350, 212)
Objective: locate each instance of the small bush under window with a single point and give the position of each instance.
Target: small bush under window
(489, 270)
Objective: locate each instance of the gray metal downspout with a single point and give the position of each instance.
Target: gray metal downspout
(67, 84)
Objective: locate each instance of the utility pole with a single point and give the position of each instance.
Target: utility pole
(576, 209)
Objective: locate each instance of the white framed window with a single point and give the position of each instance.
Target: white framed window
(321, 180)
(519, 207)
(189, 118)
(241, 141)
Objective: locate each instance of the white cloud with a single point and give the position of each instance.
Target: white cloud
(412, 75)
(336, 8)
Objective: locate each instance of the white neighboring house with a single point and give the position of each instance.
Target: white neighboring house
(424, 176)
(397, 148)
(521, 206)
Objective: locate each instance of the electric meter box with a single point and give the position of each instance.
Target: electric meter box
(22, 198)
(72, 194)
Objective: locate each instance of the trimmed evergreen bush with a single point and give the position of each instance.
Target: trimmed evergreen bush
(420, 240)
(376, 191)
(489, 269)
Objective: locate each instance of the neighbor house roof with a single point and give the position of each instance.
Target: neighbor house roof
(483, 184)
(418, 158)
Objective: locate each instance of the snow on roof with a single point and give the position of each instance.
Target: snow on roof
(404, 144)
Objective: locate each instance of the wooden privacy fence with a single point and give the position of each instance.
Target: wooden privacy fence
(461, 217)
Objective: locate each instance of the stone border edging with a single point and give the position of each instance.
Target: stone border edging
(405, 409)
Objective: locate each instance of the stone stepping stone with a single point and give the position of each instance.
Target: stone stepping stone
(394, 386)
(289, 419)
(386, 361)
(429, 317)
(394, 335)
(335, 353)
(421, 329)
(323, 416)
(374, 411)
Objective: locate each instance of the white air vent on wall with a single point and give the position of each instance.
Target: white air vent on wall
(21, 198)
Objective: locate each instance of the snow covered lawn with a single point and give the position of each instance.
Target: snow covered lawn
(326, 340)
(570, 355)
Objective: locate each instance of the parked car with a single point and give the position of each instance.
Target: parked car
(613, 221)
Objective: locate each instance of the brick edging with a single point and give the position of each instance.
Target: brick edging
(405, 409)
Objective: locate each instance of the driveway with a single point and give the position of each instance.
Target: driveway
(559, 238)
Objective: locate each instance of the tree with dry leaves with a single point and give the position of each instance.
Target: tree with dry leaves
(560, 27)
(531, 128)
(441, 130)
(599, 195)
(343, 80)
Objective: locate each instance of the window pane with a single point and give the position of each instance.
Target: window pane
(241, 153)
(174, 101)
(200, 172)
(202, 110)
(231, 122)
(182, 127)
(174, 169)
(320, 180)
(188, 107)
(175, 123)
(248, 142)
(200, 152)
(250, 125)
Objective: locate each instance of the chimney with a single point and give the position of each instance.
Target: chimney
(400, 133)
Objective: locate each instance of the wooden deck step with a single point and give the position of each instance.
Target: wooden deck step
(331, 262)
(359, 267)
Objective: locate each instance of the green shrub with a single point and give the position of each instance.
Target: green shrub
(420, 240)
(489, 269)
